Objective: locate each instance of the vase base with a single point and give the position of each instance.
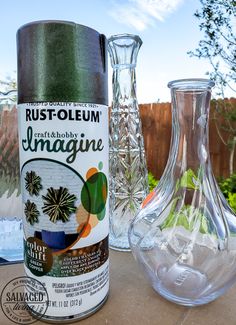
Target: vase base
(120, 249)
(185, 286)
(185, 301)
(119, 244)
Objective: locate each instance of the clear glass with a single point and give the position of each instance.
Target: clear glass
(128, 171)
(11, 233)
(184, 237)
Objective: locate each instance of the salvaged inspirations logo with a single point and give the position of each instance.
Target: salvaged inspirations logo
(24, 300)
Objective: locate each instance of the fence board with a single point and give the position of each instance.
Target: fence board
(156, 124)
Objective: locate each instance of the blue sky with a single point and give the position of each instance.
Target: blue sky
(167, 28)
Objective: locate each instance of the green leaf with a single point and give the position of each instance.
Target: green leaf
(232, 201)
(152, 181)
(189, 180)
(187, 217)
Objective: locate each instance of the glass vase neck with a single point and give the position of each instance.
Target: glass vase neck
(194, 84)
(123, 50)
(190, 114)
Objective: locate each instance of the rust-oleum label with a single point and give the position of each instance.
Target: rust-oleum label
(64, 182)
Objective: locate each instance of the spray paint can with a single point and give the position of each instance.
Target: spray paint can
(63, 138)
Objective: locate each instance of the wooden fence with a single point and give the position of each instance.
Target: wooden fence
(156, 124)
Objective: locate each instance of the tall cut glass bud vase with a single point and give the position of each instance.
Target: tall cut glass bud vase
(128, 171)
(184, 237)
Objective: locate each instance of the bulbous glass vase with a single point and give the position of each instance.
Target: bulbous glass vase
(128, 172)
(184, 237)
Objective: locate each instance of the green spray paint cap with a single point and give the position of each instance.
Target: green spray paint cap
(61, 61)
